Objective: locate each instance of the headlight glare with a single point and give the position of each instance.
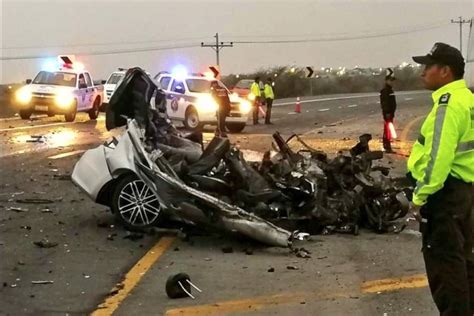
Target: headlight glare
(23, 95)
(245, 106)
(207, 103)
(64, 99)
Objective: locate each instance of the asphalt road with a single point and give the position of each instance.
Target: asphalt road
(365, 275)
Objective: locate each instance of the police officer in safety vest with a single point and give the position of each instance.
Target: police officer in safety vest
(257, 95)
(442, 163)
(269, 97)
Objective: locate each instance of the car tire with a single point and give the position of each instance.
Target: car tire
(71, 116)
(25, 114)
(134, 205)
(94, 112)
(235, 127)
(191, 119)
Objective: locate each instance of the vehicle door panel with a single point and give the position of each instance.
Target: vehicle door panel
(174, 100)
(89, 100)
(81, 92)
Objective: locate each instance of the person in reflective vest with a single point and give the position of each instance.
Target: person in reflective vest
(257, 96)
(388, 104)
(442, 164)
(269, 97)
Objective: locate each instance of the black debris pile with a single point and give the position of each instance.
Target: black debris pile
(304, 190)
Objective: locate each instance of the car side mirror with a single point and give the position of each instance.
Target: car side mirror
(103, 81)
(82, 86)
(28, 81)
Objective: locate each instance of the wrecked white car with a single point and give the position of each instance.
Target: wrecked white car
(153, 172)
(131, 174)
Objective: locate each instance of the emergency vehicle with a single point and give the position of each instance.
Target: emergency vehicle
(111, 84)
(188, 100)
(66, 90)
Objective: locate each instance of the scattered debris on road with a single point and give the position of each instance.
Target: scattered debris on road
(34, 201)
(42, 282)
(36, 139)
(227, 249)
(45, 243)
(17, 209)
(63, 177)
(133, 236)
(179, 286)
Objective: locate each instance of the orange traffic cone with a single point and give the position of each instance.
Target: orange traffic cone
(298, 105)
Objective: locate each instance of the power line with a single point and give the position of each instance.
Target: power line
(218, 46)
(108, 43)
(340, 38)
(415, 27)
(110, 52)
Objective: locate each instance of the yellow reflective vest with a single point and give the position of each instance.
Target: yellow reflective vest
(255, 89)
(268, 91)
(446, 142)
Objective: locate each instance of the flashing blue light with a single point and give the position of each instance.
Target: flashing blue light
(179, 72)
(50, 65)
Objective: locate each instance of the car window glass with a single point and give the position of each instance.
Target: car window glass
(82, 81)
(88, 80)
(115, 78)
(164, 82)
(178, 87)
(244, 84)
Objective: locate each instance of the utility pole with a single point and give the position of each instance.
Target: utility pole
(460, 21)
(218, 46)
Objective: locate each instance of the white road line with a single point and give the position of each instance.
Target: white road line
(408, 99)
(323, 110)
(347, 97)
(352, 106)
(35, 126)
(63, 155)
(325, 99)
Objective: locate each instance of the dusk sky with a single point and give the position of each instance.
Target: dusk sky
(338, 33)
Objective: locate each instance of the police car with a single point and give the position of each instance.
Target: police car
(188, 100)
(111, 84)
(65, 90)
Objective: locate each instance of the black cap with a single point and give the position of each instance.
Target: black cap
(441, 53)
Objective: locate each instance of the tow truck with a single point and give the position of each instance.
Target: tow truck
(188, 100)
(64, 91)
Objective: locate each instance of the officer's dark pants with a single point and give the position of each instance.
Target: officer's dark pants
(256, 104)
(447, 248)
(221, 116)
(387, 137)
(268, 115)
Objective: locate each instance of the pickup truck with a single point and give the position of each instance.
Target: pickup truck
(64, 92)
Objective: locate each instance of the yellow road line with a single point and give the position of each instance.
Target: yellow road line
(71, 153)
(262, 302)
(386, 285)
(133, 277)
(252, 304)
(407, 128)
(405, 144)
